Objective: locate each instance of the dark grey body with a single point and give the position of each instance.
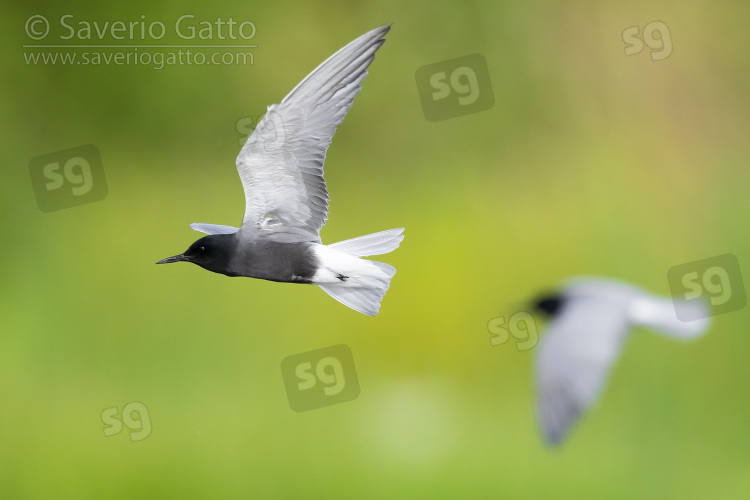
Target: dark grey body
(232, 255)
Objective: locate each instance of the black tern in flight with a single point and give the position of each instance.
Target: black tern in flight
(281, 168)
(590, 319)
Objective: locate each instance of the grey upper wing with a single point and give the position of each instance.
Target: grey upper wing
(574, 359)
(281, 164)
(213, 228)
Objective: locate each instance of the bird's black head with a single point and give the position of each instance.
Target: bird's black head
(549, 304)
(212, 252)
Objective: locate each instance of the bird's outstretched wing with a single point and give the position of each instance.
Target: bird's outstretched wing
(213, 228)
(281, 164)
(574, 359)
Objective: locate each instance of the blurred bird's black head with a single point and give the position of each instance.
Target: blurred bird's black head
(549, 304)
(212, 252)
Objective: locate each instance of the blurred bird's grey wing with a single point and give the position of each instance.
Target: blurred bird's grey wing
(574, 358)
(213, 228)
(281, 164)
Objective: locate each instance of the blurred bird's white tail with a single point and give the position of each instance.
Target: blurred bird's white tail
(357, 283)
(677, 318)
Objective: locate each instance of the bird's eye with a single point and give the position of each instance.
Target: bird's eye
(202, 249)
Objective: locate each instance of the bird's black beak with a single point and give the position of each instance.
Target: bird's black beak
(176, 258)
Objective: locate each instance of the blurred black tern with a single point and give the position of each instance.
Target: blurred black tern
(286, 200)
(590, 319)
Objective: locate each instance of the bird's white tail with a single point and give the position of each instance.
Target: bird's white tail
(677, 318)
(358, 283)
(372, 244)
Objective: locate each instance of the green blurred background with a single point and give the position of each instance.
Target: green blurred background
(589, 162)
